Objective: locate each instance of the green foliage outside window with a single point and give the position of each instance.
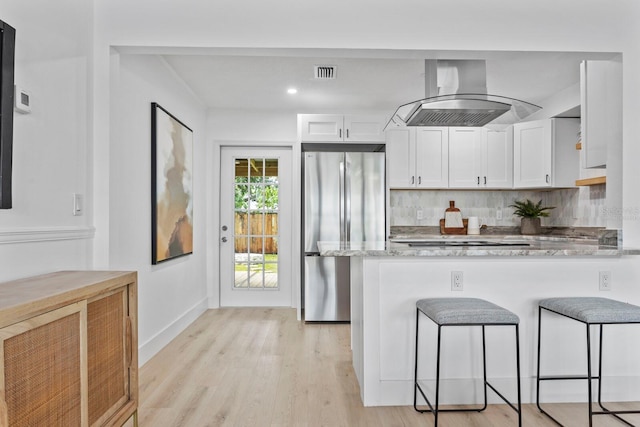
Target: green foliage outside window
(256, 193)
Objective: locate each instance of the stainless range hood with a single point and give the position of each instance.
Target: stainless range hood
(456, 95)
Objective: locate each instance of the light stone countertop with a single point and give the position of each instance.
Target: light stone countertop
(537, 246)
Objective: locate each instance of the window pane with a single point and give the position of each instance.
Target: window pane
(256, 196)
(241, 197)
(241, 224)
(271, 170)
(271, 224)
(256, 248)
(242, 170)
(271, 197)
(241, 262)
(256, 277)
(257, 220)
(256, 170)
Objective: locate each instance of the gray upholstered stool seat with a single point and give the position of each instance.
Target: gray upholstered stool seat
(593, 309)
(465, 311)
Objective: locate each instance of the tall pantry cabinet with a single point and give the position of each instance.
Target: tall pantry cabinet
(68, 349)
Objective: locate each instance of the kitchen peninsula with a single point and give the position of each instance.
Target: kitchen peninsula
(387, 278)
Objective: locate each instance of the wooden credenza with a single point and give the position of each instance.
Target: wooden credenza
(69, 349)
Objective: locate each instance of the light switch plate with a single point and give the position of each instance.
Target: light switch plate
(78, 204)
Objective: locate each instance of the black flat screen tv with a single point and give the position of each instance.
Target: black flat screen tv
(7, 61)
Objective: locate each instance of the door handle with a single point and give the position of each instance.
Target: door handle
(225, 228)
(224, 239)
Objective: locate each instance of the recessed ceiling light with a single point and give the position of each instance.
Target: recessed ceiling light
(292, 91)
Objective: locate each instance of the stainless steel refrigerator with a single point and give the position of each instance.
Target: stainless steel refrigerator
(344, 200)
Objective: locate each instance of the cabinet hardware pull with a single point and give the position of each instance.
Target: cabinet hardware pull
(129, 346)
(478, 180)
(485, 180)
(340, 133)
(347, 133)
(413, 180)
(419, 180)
(547, 178)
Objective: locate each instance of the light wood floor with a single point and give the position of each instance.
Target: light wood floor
(261, 367)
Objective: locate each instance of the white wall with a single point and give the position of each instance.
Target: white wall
(40, 234)
(171, 294)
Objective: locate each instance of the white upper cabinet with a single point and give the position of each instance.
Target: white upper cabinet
(333, 127)
(465, 157)
(600, 110)
(418, 157)
(497, 158)
(544, 153)
(480, 158)
(401, 157)
(432, 157)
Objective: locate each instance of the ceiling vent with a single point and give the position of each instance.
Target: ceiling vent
(325, 72)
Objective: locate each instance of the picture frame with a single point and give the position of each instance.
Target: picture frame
(171, 186)
(7, 73)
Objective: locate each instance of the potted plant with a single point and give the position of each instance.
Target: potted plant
(530, 213)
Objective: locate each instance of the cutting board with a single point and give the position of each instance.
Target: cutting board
(457, 230)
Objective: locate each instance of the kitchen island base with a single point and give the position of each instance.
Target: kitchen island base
(383, 295)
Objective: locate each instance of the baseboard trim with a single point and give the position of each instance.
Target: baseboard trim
(156, 343)
(45, 234)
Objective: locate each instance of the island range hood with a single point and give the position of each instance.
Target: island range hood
(456, 95)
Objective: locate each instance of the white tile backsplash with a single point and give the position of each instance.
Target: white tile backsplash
(577, 207)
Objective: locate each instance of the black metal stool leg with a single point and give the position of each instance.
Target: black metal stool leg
(435, 412)
(415, 365)
(518, 376)
(599, 377)
(589, 378)
(484, 369)
(416, 386)
(538, 375)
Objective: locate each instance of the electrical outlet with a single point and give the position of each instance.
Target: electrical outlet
(498, 213)
(419, 215)
(456, 280)
(605, 280)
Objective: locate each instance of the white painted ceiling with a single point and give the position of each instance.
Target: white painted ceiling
(366, 80)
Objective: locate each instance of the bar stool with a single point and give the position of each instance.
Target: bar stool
(590, 311)
(464, 312)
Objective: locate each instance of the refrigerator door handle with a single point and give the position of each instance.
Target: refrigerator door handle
(347, 200)
(342, 202)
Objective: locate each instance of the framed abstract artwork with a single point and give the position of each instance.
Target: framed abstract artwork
(171, 186)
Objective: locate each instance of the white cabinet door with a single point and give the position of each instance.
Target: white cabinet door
(465, 157)
(432, 157)
(321, 127)
(497, 158)
(363, 129)
(532, 154)
(335, 127)
(600, 110)
(401, 157)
